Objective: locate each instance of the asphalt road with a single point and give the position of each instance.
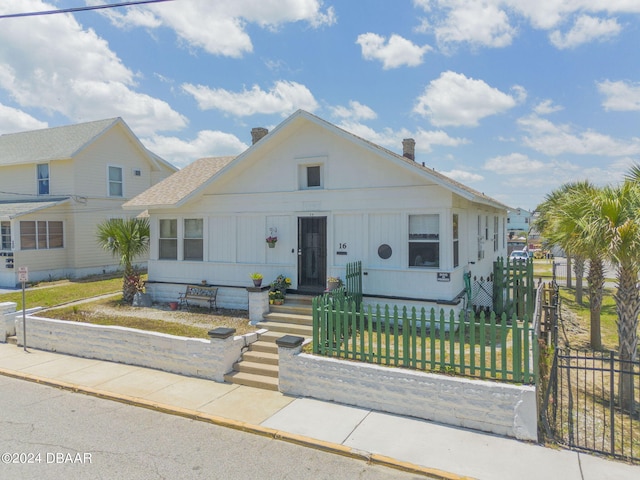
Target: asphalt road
(55, 434)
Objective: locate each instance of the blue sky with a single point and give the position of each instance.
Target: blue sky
(511, 97)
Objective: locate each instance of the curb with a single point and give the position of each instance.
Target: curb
(329, 447)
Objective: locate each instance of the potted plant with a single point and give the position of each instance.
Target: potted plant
(276, 297)
(333, 283)
(257, 279)
(271, 241)
(278, 289)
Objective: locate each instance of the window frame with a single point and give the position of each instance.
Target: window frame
(188, 241)
(455, 233)
(43, 236)
(113, 182)
(425, 242)
(44, 181)
(304, 166)
(168, 240)
(5, 236)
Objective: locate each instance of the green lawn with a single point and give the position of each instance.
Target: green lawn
(58, 293)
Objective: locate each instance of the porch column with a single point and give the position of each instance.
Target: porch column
(258, 303)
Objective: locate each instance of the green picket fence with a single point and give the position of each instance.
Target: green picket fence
(487, 346)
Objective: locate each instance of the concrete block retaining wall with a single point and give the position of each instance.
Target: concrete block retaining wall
(7, 320)
(492, 407)
(195, 357)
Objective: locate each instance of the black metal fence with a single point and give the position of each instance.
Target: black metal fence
(580, 401)
(582, 408)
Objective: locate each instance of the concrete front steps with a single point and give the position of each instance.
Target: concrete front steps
(258, 366)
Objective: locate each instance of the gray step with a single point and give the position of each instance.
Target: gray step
(292, 318)
(287, 328)
(288, 308)
(261, 357)
(293, 298)
(257, 368)
(252, 380)
(267, 344)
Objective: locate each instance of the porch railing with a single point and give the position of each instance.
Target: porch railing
(488, 347)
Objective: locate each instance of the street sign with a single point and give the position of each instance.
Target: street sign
(23, 274)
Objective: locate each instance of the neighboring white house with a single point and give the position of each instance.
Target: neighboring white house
(57, 185)
(330, 198)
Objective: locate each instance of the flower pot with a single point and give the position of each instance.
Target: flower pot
(278, 301)
(257, 282)
(272, 245)
(173, 305)
(332, 285)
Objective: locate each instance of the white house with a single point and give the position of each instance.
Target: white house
(518, 220)
(330, 198)
(57, 185)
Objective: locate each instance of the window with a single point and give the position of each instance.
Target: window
(480, 239)
(115, 182)
(456, 249)
(43, 178)
(41, 235)
(424, 241)
(5, 236)
(310, 176)
(192, 239)
(495, 234)
(168, 247)
(313, 176)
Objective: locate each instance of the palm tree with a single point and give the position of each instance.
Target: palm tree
(563, 221)
(126, 239)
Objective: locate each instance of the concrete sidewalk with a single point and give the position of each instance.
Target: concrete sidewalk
(434, 450)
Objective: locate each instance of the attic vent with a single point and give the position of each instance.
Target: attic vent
(137, 172)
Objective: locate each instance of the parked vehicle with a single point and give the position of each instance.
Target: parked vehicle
(519, 256)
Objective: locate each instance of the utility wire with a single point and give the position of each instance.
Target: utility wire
(82, 9)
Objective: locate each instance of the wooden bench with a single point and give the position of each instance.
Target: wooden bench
(199, 292)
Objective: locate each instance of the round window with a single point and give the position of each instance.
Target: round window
(384, 251)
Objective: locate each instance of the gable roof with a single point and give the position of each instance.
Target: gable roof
(58, 143)
(178, 187)
(173, 199)
(10, 210)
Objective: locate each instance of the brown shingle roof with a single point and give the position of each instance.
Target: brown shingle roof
(180, 185)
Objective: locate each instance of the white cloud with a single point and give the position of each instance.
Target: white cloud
(464, 176)
(355, 111)
(219, 27)
(284, 98)
(425, 139)
(490, 23)
(551, 139)
(586, 29)
(13, 120)
(208, 143)
(620, 95)
(396, 52)
(77, 75)
(454, 99)
(546, 107)
(392, 139)
(514, 164)
(477, 23)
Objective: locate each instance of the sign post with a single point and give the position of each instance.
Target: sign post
(23, 277)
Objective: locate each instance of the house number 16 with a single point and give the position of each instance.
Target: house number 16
(342, 246)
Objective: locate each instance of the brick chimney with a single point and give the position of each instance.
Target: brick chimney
(409, 148)
(257, 133)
